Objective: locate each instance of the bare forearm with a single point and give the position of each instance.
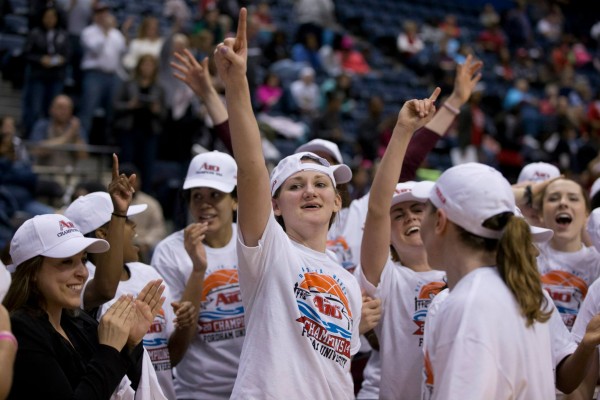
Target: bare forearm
(444, 118)
(109, 267)
(215, 107)
(179, 342)
(574, 368)
(8, 351)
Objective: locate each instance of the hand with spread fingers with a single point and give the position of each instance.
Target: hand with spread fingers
(121, 189)
(467, 76)
(147, 305)
(193, 73)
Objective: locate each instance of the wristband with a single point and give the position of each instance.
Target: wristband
(8, 336)
(119, 215)
(451, 108)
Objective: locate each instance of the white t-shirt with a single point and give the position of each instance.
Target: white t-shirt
(478, 345)
(567, 276)
(563, 343)
(302, 312)
(405, 296)
(156, 341)
(209, 367)
(589, 309)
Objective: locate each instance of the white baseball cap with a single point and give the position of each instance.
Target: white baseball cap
(470, 194)
(291, 164)
(595, 188)
(538, 234)
(51, 235)
(593, 228)
(93, 210)
(538, 172)
(323, 145)
(403, 191)
(213, 169)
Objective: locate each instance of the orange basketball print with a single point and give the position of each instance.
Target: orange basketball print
(324, 284)
(222, 277)
(431, 289)
(565, 279)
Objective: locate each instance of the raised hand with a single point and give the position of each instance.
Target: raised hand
(116, 323)
(147, 305)
(185, 314)
(121, 188)
(193, 73)
(467, 76)
(193, 237)
(416, 113)
(231, 56)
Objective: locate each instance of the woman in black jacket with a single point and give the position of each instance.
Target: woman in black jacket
(64, 353)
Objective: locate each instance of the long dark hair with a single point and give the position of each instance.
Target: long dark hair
(23, 292)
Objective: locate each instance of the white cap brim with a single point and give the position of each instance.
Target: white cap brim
(75, 245)
(540, 235)
(136, 209)
(422, 193)
(424, 186)
(209, 183)
(342, 173)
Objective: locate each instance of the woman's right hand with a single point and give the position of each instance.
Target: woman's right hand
(121, 189)
(116, 323)
(231, 56)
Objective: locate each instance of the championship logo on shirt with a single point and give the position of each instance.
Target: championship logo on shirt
(567, 291)
(156, 343)
(221, 310)
(425, 293)
(326, 317)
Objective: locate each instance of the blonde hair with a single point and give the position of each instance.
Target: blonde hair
(516, 263)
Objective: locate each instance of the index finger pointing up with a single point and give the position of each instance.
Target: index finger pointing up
(115, 167)
(435, 94)
(240, 37)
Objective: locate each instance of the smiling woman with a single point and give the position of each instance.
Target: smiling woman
(567, 266)
(70, 354)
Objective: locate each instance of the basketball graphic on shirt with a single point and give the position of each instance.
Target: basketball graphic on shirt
(567, 291)
(343, 252)
(326, 317)
(425, 293)
(221, 310)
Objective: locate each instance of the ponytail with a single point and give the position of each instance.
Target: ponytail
(517, 265)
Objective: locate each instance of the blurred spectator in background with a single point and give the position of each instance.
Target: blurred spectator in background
(61, 128)
(492, 39)
(150, 225)
(307, 51)
(550, 26)
(450, 27)
(103, 47)
(182, 107)
(305, 93)
(342, 84)
(269, 93)
(277, 49)
(211, 21)
(46, 51)
(517, 26)
(79, 15)
(179, 14)
(410, 44)
(350, 59)
(139, 114)
(488, 16)
(314, 16)
(8, 133)
(148, 41)
(370, 129)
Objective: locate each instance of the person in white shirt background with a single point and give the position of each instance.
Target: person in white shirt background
(296, 296)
